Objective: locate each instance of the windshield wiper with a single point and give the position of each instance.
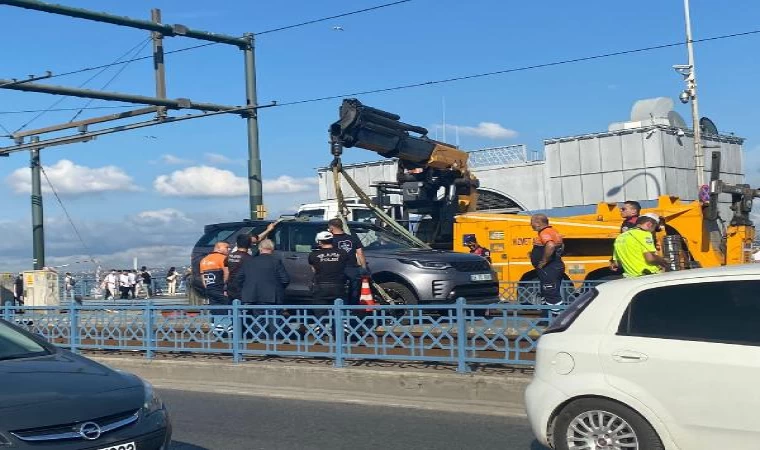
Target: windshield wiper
(23, 355)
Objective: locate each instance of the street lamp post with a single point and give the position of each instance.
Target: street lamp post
(690, 95)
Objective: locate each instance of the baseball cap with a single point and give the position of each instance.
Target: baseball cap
(652, 216)
(323, 236)
(470, 239)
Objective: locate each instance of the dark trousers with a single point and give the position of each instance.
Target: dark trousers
(124, 292)
(550, 279)
(354, 285)
(215, 299)
(132, 291)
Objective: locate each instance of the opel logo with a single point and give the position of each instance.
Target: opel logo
(90, 431)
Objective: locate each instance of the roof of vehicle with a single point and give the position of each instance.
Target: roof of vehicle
(248, 222)
(682, 275)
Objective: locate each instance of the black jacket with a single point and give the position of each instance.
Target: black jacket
(262, 280)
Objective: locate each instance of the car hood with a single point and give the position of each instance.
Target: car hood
(422, 254)
(63, 388)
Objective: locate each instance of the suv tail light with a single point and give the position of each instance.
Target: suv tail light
(568, 316)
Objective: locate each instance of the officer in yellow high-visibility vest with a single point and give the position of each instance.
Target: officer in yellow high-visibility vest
(635, 250)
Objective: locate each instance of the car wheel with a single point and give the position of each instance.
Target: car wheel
(599, 423)
(399, 293)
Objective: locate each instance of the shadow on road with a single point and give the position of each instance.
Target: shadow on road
(534, 446)
(176, 445)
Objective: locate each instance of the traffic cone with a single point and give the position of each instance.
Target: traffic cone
(365, 295)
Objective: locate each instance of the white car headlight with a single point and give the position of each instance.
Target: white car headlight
(152, 402)
(435, 265)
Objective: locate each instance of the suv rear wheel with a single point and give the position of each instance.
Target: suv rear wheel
(601, 423)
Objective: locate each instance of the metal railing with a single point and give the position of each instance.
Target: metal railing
(459, 333)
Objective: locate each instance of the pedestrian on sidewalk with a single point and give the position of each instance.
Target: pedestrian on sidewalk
(147, 282)
(68, 286)
(18, 290)
(124, 285)
(132, 274)
(110, 283)
(262, 281)
(171, 280)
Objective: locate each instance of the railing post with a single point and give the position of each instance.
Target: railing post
(461, 337)
(148, 334)
(7, 309)
(237, 331)
(338, 332)
(74, 327)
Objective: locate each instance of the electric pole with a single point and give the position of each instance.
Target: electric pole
(690, 78)
(38, 231)
(255, 196)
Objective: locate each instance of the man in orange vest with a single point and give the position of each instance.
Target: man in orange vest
(546, 258)
(214, 274)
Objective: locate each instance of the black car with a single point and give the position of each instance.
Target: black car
(51, 398)
(408, 273)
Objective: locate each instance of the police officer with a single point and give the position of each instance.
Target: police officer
(356, 265)
(635, 250)
(546, 257)
(329, 266)
(214, 273)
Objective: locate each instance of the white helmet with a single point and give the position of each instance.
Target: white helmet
(323, 236)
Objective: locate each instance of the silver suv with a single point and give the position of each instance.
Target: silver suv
(410, 274)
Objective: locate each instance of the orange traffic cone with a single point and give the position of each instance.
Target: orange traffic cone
(365, 295)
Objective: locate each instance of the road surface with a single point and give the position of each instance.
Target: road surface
(225, 422)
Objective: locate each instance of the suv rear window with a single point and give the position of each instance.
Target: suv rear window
(721, 311)
(226, 234)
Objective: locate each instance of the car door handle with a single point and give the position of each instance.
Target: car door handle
(629, 356)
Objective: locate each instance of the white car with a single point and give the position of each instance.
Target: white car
(668, 361)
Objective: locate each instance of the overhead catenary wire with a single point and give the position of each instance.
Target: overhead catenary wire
(110, 80)
(518, 69)
(464, 77)
(58, 101)
(209, 44)
(68, 216)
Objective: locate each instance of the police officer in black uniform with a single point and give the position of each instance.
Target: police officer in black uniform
(329, 266)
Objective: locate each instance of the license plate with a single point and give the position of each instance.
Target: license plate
(481, 277)
(125, 446)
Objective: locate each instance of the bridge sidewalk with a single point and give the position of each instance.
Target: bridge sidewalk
(488, 390)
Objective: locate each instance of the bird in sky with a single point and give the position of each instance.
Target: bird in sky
(338, 28)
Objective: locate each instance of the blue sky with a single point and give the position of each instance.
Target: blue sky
(125, 207)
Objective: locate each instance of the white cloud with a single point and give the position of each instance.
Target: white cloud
(489, 130)
(161, 216)
(216, 158)
(201, 181)
(288, 185)
(70, 178)
(174, 160)
(206, 181)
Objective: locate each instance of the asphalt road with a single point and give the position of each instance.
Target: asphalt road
(226, 422)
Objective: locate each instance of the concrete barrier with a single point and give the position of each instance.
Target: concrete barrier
(433, 389)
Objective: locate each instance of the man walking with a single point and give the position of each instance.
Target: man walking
(68, 286)
(18, 290)
(635, 250)
(124, 285)
(262, 281)
(110, 283)
(214, 274)
(147, 282)
(132, 274)
(546, 257)
(356, 264)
